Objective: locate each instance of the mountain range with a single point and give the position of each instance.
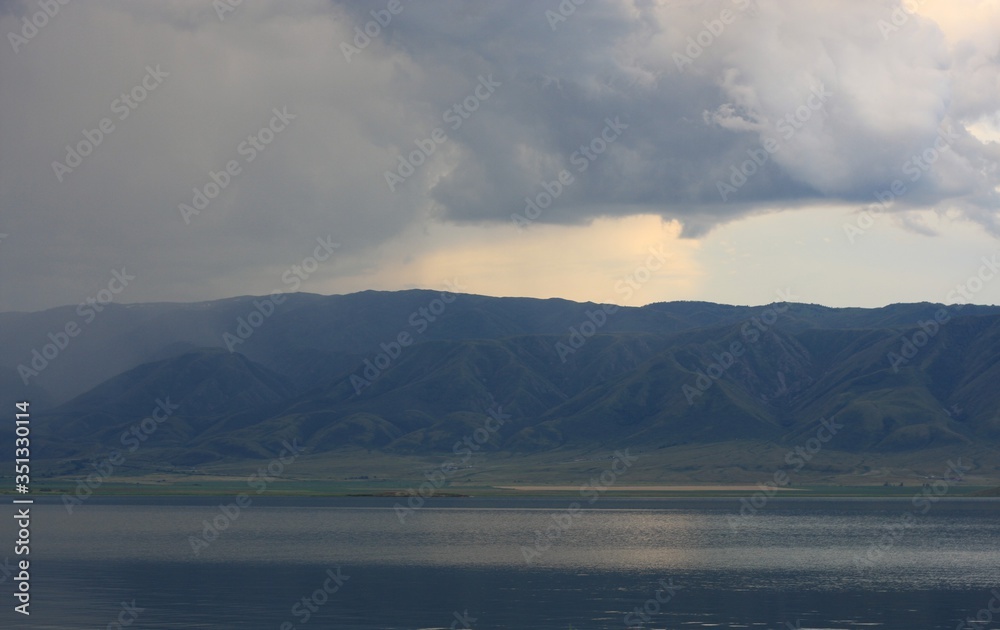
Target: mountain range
(417, 372)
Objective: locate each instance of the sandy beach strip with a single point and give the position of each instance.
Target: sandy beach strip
(651, 488)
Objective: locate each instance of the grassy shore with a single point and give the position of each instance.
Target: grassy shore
(720, 470)
(403, 488)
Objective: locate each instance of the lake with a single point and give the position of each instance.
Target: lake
(286, 563)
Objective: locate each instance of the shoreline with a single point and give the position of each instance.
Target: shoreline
(332, 490)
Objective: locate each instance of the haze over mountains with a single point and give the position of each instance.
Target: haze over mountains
(412, 372)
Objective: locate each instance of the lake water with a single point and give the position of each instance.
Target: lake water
(457, 563)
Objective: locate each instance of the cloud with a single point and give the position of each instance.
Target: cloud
(503, 261)
(890, 98)
(688, 126)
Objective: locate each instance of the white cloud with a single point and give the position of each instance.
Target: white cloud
(325, 173)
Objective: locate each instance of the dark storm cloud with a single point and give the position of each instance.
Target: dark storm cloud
(553, 86)
(702, 86)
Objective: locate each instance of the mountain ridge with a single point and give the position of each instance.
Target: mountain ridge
(664, 375)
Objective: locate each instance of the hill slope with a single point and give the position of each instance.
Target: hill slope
(416, 372)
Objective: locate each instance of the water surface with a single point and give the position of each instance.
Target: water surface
(526, 563)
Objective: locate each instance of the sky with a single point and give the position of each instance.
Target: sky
(736, 151)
